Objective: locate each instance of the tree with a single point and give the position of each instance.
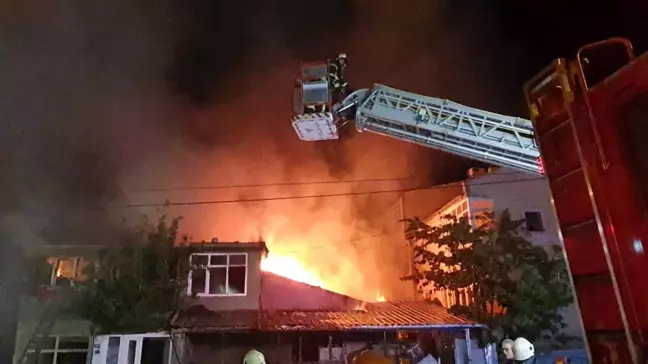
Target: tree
(136, 285)
(513, 286)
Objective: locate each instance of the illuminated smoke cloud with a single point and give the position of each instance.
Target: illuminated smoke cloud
(103, 101)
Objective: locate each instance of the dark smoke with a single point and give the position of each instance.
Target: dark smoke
(98, 99)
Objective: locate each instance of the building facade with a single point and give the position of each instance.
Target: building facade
(493, 190)
(230, 307)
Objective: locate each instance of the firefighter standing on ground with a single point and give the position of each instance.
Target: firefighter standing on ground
(507, 349)
(523, 351)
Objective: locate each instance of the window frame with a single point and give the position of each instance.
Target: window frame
(56, 351)
(542, 221)
(54, 269)
(227, 267)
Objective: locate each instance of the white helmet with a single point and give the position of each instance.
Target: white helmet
(522, 349)
(254, 357)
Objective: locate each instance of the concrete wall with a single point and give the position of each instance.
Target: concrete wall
(521, 192)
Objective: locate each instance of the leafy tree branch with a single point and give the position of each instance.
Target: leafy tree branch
(510, 284)
(137, 285)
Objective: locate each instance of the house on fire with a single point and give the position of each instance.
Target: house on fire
(233, 306)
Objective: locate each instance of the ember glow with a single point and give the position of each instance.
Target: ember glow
(380, 297)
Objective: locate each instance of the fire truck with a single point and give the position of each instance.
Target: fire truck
(587, 135)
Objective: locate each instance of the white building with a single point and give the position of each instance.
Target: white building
(525, 196)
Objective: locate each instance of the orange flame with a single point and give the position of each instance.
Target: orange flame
(313, 256)
(380, 297)
(290, 267)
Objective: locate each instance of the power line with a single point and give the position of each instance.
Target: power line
(284, 184)
(352, 242)
(267, 199)
(281, 184)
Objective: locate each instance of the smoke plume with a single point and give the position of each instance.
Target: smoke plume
(118, 102)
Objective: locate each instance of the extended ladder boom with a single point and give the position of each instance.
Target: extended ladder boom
(322, 105)
(448, 126)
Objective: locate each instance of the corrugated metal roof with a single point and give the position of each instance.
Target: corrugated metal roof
(374, 316)
(386, 315)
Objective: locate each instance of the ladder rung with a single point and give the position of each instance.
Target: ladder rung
(579, 224)
(556, 127)
(568, 174)
(592, 277)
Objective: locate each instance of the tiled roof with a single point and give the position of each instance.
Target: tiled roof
(199, 318)
(374, 316)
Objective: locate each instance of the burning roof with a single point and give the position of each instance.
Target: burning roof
(376, 316)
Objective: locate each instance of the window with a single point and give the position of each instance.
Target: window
(218, 274)
(61, 271)
(534, 221)
(61, 350)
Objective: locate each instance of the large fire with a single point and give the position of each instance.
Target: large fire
(290, 267)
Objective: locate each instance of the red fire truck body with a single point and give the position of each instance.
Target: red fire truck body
(590, 118)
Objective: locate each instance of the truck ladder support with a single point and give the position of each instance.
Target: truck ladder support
(448, 126)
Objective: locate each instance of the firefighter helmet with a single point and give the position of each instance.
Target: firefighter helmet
(254, 357)
(522, 349)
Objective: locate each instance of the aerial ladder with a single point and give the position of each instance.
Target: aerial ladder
(437, 123)
(589, 121)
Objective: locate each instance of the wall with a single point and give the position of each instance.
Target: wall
(279, 293)
(31, 311)
(248, 302)
(520, 192)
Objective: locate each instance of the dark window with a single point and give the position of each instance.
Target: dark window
(219, 274)
(71, 358)
(534, 221)
(153, 350)
(236, 283)
(198, 280)
(217, 280)
(73, 343)
(62, 350)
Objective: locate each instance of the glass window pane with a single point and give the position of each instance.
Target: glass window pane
(71, 358)
(46, 358)
(217, 279)
(73, 342)
(198, 279)
(237, 259)
(112, 357)
(48, 343)
(82, 270)
(132, 346)
(64, 272)
(199, 260)
(43, 269)
(236, 280)
(218, 260)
